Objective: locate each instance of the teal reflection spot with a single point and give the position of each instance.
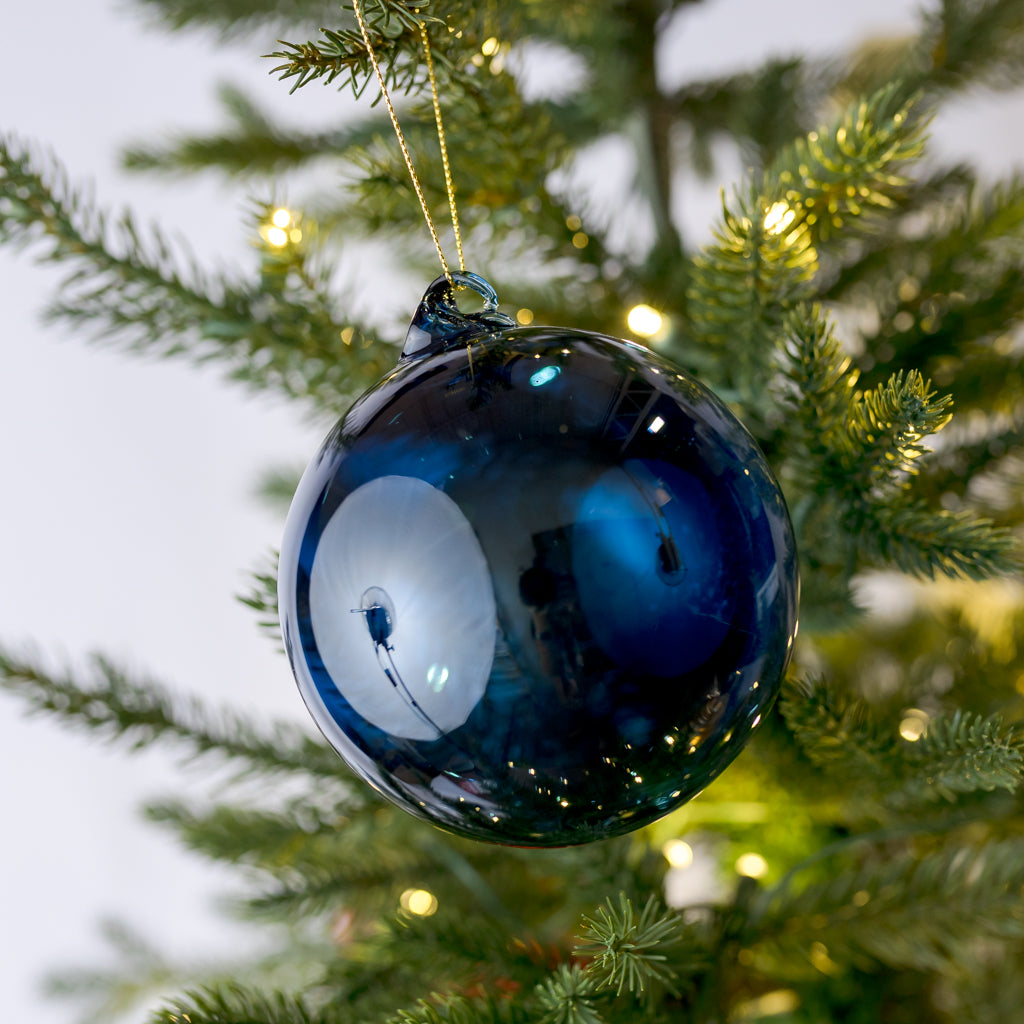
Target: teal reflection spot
(545, 375)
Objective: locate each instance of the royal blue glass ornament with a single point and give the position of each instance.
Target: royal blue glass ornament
(538, 586)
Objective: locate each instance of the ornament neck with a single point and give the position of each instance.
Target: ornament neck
(439, 324)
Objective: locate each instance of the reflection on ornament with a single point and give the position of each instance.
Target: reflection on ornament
(391, 548)
(538, 586)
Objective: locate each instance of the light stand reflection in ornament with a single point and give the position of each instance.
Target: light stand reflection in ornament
(402, 607)
(376, 608)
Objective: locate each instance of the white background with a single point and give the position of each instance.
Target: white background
(127, 509)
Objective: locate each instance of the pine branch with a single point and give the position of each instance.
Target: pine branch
(926, 543)
(261, 597)
(394, 30)
(837, 733)
(884, 428)
(570, 996)
(973, 41)
(965, 753)
(765, 251)
(278, 332)
(815, 391)
(231, 18)
(253, 145)
(140, 712)
(629, 948)
(299, 840)
(959, 754)
(765, 109)
(901, 910)
(233, 1004)
(451, 1009)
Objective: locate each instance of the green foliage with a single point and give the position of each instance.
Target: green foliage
(278, 331)
(765, 252)
(233, 1004)
(628, 948)
(569, 997)
(253, 145)
(850, 302)
(394, 30)
(923, 911)
(109, 702)
(261, 597)
(958, 754)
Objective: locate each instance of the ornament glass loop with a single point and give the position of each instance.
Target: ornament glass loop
(538, 586)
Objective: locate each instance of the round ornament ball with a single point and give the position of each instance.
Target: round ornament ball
(538, 586)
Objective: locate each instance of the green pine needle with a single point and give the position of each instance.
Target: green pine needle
(569, 996)
(965, 753)
(233, 1004)
(765, 251)
(109, 702)
(629, 948)
(924, 912)
(926, 543)
(279, 330)
(885, 426)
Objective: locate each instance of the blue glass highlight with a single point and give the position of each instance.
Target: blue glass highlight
(545, 375)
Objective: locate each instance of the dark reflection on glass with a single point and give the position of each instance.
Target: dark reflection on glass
(538, 608)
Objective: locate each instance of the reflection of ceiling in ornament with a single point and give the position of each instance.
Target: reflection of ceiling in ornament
(423, 674)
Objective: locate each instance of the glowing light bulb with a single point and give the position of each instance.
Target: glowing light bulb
(644, 321)
(281, 218)
(418, 902)
(678, 853)
(277, 237)
(752, 865)
(914, 724)
(490, 47)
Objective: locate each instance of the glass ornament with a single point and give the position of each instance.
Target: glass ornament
(538, 586)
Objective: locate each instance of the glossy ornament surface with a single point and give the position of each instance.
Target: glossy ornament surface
(538, 586)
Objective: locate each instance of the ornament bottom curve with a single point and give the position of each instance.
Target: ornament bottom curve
(538, 588)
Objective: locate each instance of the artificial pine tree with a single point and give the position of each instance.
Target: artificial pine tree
(858, 306)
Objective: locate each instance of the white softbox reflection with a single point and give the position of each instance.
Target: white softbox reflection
(402, 536)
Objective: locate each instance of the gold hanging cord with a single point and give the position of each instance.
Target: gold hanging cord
(356, 5)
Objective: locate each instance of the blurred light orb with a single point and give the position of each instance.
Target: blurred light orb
(644, 321)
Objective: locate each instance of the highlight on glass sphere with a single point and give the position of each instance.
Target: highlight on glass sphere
(538, 586)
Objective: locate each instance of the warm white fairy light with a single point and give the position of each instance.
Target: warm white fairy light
(644, 321)
(418, 902)
(678, 853)
(277, 237)
(490, 47)
(281, 217)
(914, 724)
(752, 865)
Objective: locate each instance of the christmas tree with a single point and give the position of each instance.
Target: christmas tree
(856, 303)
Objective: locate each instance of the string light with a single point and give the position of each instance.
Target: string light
(752, 865)
(678, 853)
(418, 902)
(914, 724)
(281, 229)
(490, 47)
(277, 237)
(644, 321)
